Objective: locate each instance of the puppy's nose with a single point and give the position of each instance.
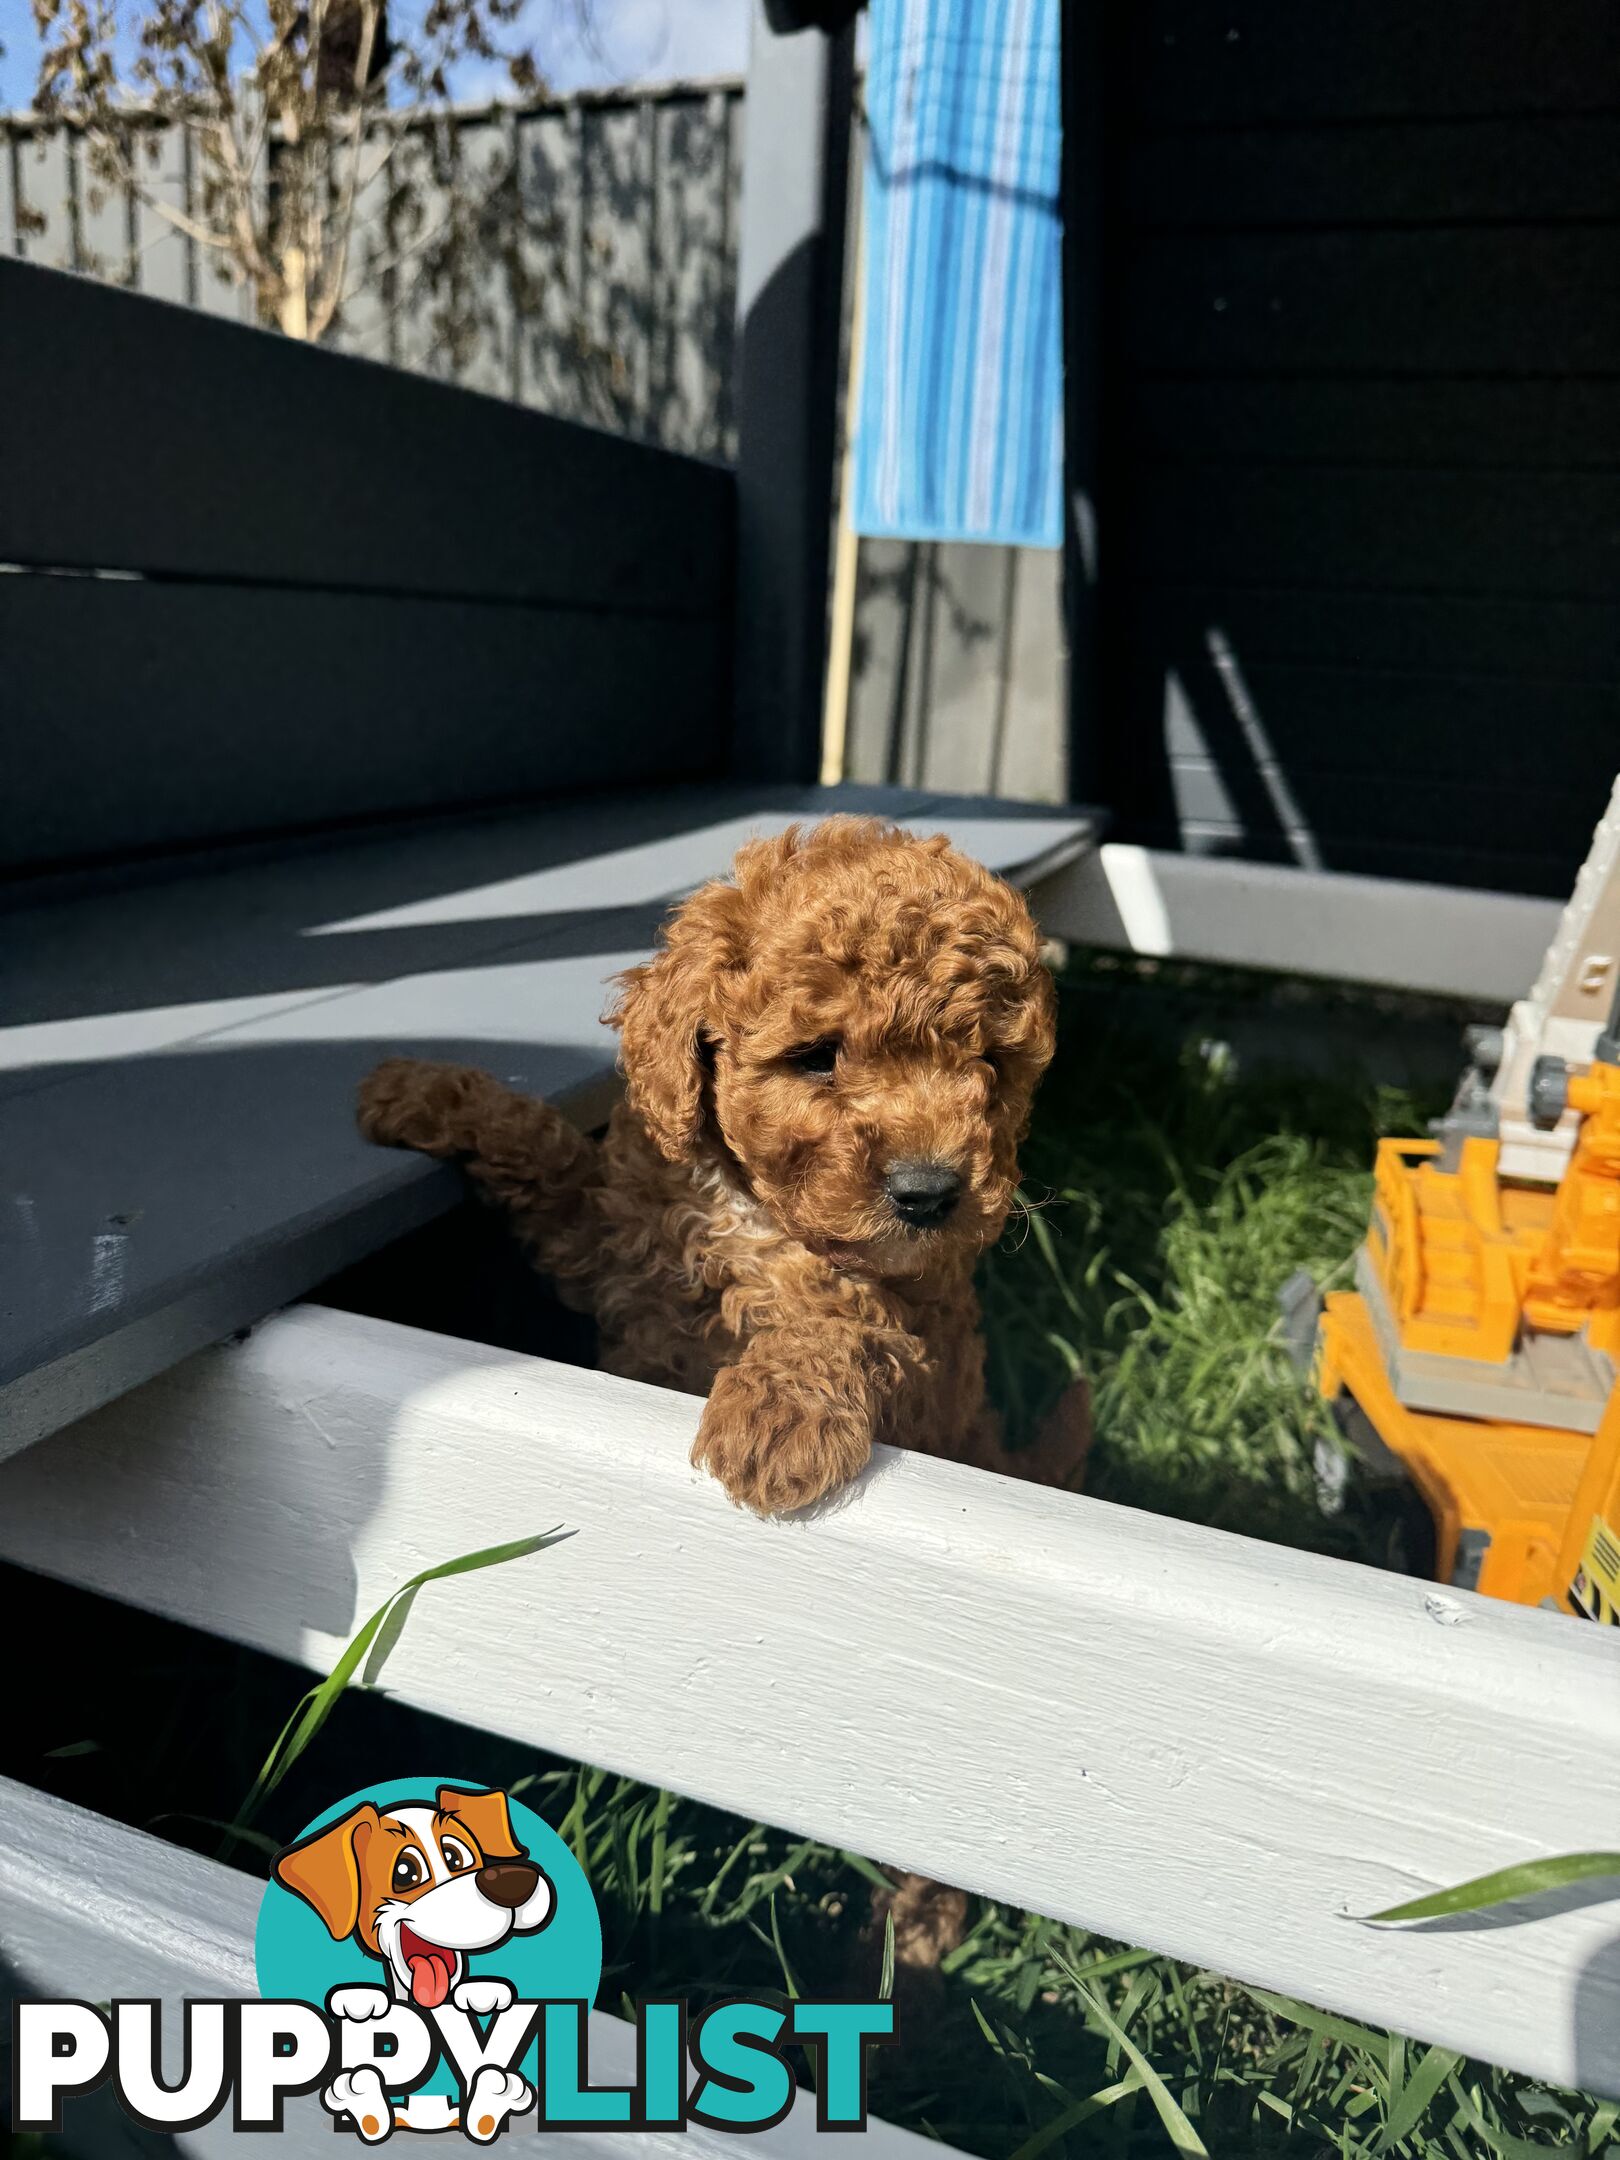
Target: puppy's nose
(923, 1194)
(508, 1882)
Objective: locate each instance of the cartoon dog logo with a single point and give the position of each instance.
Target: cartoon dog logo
(422, 1889)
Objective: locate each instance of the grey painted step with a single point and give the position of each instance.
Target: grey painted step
(180, 1059)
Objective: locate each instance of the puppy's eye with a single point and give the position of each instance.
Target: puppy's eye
(817, 1060)
(996, 1060)
(408, 1871)
(456, 1857)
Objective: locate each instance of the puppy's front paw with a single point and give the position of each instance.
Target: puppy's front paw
(777, 1444)
(413, 1103)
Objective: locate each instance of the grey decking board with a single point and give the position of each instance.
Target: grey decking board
(229, 1151)
(238, 927)
(175, 956)
(230, 929)
(208, 1185)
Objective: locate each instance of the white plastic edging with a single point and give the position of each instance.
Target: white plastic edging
(1383, 931)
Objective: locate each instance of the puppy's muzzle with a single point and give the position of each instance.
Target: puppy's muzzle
(508, 1883)
(923, 1194)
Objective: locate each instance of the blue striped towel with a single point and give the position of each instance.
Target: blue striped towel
(960, 430)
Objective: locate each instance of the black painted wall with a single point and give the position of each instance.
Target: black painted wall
(1347, 283)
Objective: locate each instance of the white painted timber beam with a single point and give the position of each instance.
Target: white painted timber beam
(1193, 1741)
(1386, 931)
(93, 1911)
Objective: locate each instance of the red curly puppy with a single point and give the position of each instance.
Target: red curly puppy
(829, 1067)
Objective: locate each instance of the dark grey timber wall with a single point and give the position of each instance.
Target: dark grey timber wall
(1359, 495)
(255, 586)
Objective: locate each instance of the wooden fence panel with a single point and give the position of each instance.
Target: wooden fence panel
(424, 309)
(365, 325)
(8, 193)
(555, 366)
(957, 675)
(695, 286)
(106, 222)
(615, 179)
(43, 200)
(485, 184)
(165, 264)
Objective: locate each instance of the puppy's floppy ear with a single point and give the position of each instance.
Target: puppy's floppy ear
(666, 1011)
(324, 1870)
(487, 1816)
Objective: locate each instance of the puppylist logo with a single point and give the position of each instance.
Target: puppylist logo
(427, 1955)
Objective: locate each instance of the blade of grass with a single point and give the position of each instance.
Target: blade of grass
(269, 1846)
(1411, 2103)
(398, 1609)
(1044, 1245)
(1525, 1880)
(868, 1870)
(789, 1981)
(985, 2026)
(1343, 2030)
(707, 1903)
(660, 1853)
(1071, 2117)
(1118, 1961)
(317, 1706)
(971, 1944)
(1498, 2141)
(1178, 2128)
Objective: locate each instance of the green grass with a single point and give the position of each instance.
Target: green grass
(1042, 2038)
(1181, 1182)
(1174, 1191)
(1179, 1186)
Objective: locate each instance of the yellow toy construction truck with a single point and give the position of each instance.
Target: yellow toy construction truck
(1481, 1344)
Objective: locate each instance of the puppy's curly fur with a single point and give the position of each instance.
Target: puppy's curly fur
(852, 999)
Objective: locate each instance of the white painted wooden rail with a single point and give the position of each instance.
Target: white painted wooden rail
(1211, 1746)
(90, 1910)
